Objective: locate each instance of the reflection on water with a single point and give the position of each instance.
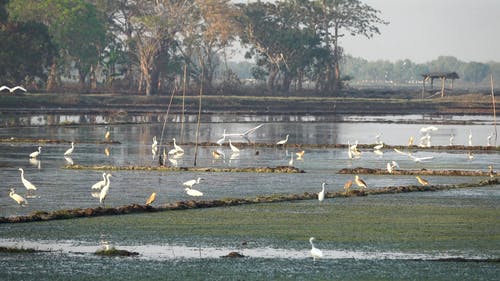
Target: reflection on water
(123, 117)
(163, 252)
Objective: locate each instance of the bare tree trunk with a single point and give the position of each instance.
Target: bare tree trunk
(272, 77)
(51, 80)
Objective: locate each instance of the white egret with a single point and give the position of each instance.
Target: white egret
(193, 192)
(12, 90)
(428, 129)
(283, 142)
(359, 182)
(422, 181)
(217, 154)
(29, 186)
(154, 147)
(490, 171)
(100, 184)
(394, 164)
(69, 160)
(244, 134)
(420, 159)
(377, 138)
(410, 141)
(107, 134)
(105, 189)
(349, 151)
(389, 168)
(401, 152)
(35, 162)
(223, 139)
(36, 153)
(16, 197)
(177, 148)
(315, 252)
(378, 152)
(191, 183)
(488, 141)
(452, 138)
(321, 194)
(470, 156)
(379, 146)
(470, 137)
(151, 198)
(233, 148)
(70, 150)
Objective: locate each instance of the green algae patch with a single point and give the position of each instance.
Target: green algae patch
(277, 169)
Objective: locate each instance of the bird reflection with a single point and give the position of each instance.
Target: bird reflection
(36, 163)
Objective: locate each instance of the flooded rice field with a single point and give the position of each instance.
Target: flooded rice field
(388, 237)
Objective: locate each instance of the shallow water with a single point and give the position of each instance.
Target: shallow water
(62, 188)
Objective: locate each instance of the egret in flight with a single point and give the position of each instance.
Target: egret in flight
(70, 150)
(100, 184)
(300, 154)
(321, 194)
(315, 252)
(193, 192)
(29, 186)
(12, 90)
(283, 142)
(422, 181)
(191, 183)
(36, 153)
(244, 134)
(16, 197)
(359, 182)
(105, 189)
(151, 199)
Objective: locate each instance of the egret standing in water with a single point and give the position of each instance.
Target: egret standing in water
(36, 153)
(177, 148)
(100, 184)
(315, 252)
(191, 183)
(290, 163)
(16, 197)
(452, 137)
(347, 185)
(283, 142)
(154, 147)
(107, 134)
(321, 194)
(470, 137)
(233, 148)
(105, 189)
(29, 186)
(70, 150)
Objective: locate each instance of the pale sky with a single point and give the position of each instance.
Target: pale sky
(422, 30)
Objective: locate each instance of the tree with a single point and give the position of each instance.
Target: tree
(336, 16)
(475, 71)
(75, 26)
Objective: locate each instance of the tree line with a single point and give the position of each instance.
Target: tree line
(155, 46)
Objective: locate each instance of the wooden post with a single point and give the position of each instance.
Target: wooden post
(423, 88)
(442, 85)
(494, 108)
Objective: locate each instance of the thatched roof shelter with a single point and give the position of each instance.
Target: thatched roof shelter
(441, 75)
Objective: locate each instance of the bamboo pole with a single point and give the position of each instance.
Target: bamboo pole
(183, 103)
(494, 108)
(199, 117)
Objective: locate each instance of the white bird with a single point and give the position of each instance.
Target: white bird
(151, 198)
(193, 192)
(69, 160)
(428, 129)
(70, 150)
(177, 148)
(378, 152)
(233, 148)
(359, 182)
(18, 198)
(470, 137)
(154, 147)
(389, 168)
(244, 134)
(100, 184)
(420, 159)
(36, 153)
(105, 189)
(300, 154)
(191, 183)
(377, 138)
(321, 194)
(12, 90)
(282, 142)
(223, 139)
(394, 164)
(379, 146)
(488, 142)
(315, 252)
(401, 152)
(290, 163)
(29, 186)
(452, 137)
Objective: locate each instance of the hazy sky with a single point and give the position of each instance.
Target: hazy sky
(422, 30)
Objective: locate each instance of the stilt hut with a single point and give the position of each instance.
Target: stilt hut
(441, 75)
